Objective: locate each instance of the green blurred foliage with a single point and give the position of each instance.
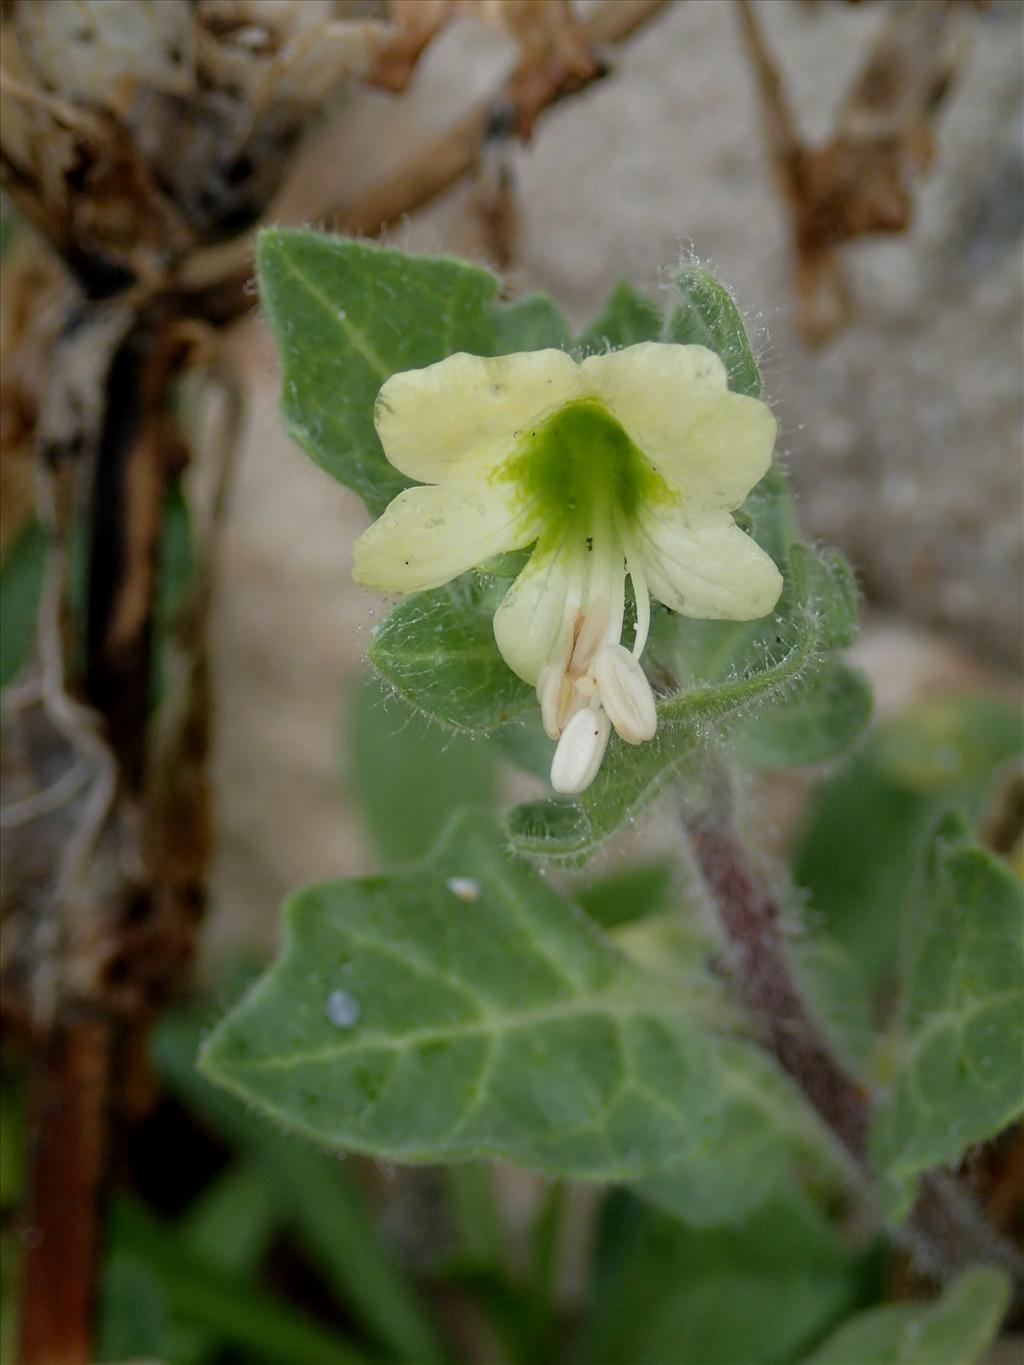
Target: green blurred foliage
(861, 850)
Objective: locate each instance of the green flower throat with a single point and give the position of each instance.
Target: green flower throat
(580, 467)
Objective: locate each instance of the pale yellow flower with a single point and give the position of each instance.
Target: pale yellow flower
(627, 463)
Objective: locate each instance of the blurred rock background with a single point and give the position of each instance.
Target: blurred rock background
(903, 434)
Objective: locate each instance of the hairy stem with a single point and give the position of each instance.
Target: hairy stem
(946, 1230)
(751, 921)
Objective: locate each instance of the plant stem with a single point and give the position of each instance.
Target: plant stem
(752, 924)
(946, 1230)
(61, 1231)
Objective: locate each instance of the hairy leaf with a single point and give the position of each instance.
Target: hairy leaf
(756, 1293)
(864, 840)
(954, 1331)
(629, 893)
(959, 1074)
(708, 316)
(483, 1017)
(437, 651)
(532, 323)
(347, 315)
(765, 1129)
(626, 318)
(407, 776)
(818, 720)
(316, 1200)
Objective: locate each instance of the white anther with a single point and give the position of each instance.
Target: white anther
(625, 694)
(580, 751)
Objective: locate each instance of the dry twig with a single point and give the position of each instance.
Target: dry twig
(860, 182)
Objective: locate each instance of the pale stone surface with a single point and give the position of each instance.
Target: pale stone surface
(903, 437)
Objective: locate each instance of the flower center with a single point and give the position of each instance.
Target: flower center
(584, 479)
(579, 456)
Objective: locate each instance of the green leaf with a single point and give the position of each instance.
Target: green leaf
(176, 556)
(488, 1019)
(833, 986)
(175, 574)
(631, 892)
(475, 1213)
(437, 651)
(959, 1069)
(752, 1294)
(408, 776)
(729, 670)
(859, 853)
(820, 718)
(765, 1129)
(347, 315)
(230, 1225)
(708, 316)
(954, 1331)
(232, 1222)
(319, 1201)
(532, 323)
(525, 745)
(201, 1295)
(21, 584)
(134, 1321)
(626, 319)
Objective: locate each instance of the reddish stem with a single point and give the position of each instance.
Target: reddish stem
(947, 1230)
(61, 1232)
(760, 965)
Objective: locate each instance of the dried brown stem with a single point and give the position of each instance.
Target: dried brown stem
(219, 281)
(61, 1232)
(436, 167)
(859, 182)
(110, 931)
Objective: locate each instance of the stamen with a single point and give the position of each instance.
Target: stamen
(558, 699)
(593, 628)
(643, 607)
(580, 751)
(641, 594)
(626, 694)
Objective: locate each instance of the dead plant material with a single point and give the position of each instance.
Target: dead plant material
(456, 153)
(554, 46)
(861, 182)
(134, 133)
(33, 296)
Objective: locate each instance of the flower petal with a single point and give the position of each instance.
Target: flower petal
(673, 401)
(529, 621)
(429, 535)
(705, 566)
(467, 410)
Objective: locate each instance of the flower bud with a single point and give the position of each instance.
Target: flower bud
(580, 751)
(625, 694)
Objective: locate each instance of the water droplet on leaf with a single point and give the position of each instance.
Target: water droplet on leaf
(341, 1009)
(465, 888)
